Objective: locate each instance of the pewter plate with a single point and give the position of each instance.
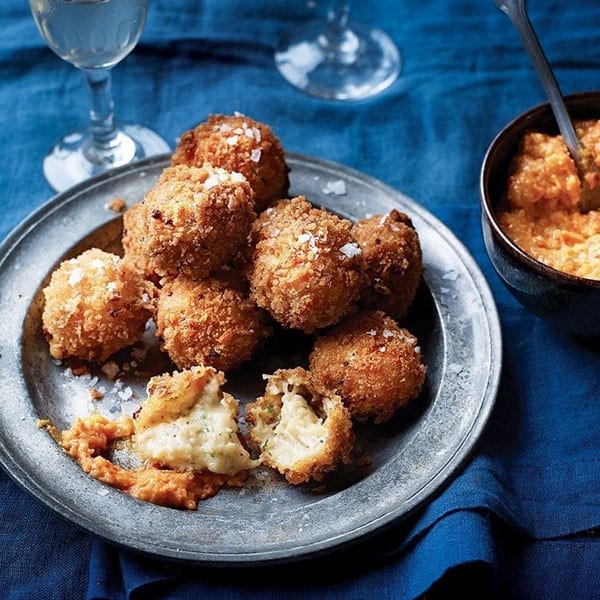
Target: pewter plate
(267, 521)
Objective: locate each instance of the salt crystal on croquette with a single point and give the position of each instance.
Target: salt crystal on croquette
(95, 305)
(306, 268)
(240, 144)
(194, 220)
(372, 363)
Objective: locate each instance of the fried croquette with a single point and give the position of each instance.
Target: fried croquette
(192, 221)
(306, 270)
(394, 263)
(211, 321)
(188, 423)
(301, 433)
(95, 305)
(372, 363)
(134, 232)
(240, 144)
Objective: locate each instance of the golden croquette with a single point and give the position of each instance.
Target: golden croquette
(240, 144)
(306, 270)
(394, 262)
(133, 241)
(209, 322)
(192, 221)
(301, 433)
(372, 363)
(95, 305)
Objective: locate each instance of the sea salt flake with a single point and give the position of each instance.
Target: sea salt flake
(76, 276)
(351, 249)
(126, 393)
(97, 264)
(232, 140)
(255, 155)
(451, 275)
(129, 408)
(337, 188)
(388, 333)
(372, 332)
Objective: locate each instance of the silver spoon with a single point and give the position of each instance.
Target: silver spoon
(517, 13)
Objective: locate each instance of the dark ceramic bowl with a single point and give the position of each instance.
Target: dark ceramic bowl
(569, 302)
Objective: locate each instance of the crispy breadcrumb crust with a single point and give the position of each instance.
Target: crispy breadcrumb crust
(372, 363)
(192, 221)
(211, 321)
(321, 456)
(238, 143)
(306, 270)
(394, 262)
(95, 305)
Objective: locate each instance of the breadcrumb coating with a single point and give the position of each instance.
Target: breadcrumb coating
(238, 143)
(211, 321)
(372, 363)
(192, 221)
(394, 262)
(307, 270)
(301, 433)
(95, 305)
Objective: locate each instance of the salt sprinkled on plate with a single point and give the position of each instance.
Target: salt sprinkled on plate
(338, 188)
(451, 275)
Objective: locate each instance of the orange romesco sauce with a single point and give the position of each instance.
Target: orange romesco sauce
(543, 194)
(90, 436)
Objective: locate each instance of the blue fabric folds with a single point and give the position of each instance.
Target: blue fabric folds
(523, 513)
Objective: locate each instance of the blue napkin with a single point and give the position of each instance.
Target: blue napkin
(520, 517)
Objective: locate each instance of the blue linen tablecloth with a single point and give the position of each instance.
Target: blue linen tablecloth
(520, 520)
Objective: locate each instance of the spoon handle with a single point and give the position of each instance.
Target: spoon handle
(517, 13)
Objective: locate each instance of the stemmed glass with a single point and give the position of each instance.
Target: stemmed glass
(339, 59)
(94, 35)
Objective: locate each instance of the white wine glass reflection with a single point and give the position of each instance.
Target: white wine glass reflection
(94, 35)
(338, 59)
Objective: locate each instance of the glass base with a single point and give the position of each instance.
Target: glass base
(74, 159)
(360, 64)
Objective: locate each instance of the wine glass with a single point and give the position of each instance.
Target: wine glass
(94, 35)
(339, 59)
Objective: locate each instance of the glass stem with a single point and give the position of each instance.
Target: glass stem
(102, 114)
(339, 41)
(337, 17)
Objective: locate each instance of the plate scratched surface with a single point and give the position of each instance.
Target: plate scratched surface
(454, 316)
